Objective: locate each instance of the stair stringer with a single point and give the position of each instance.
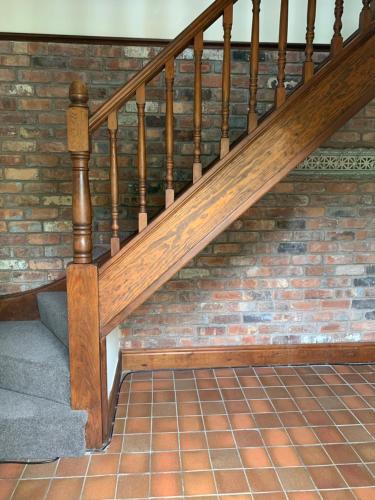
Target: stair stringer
(251, 169)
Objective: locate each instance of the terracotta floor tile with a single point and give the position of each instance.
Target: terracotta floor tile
(341, 453)
(195, 460)
(133, 486)
(233, 481)
(261, 406)
(295, 479)
(213, 408)
(101, 465)
(293, 419)
(141, 397)
(10, 471)
(269, 496)
(318, 418)
(138, 410)
(237, 407)
(61, 489)
(220, 439)
(188, 409)
(254, 457)
(168, 461)
(137, 426)
(31, 489)
(166, 485)
(342, 417)
(365, 493)
(163, 397)
(115, 446)
(326, 477)
(199, 483)
(7, 487)
(355, 433)
(329, 435)
(36, 471)
(241, 421)
(275, 437)
(206, 383)
(164, 410)
(225, 459)
(72, 466)
(210, 395)
(299, 392)
(356, 475)
(244, 439)
(277, 392)
(284, 456)
(254, 393)
(337, 495)
(263, 480)
(303, 495)
(217, 422)
(164, 424)
(137, 443)
(164, 442)
(190, 423)
(366, 451)
(267, 420)
(285, 404)
(185, 396)
(248, 381)
(193, 441)
(313, 455)
(99, 487)
(134, 463)
(163, 385)
(227, 383)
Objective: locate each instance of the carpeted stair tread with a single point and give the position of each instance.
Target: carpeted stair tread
(34, 428)
(33, 361)
(54, 314)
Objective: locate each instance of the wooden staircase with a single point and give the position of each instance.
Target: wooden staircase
(101, 295)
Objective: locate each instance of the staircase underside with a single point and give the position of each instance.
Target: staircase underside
(250, 170)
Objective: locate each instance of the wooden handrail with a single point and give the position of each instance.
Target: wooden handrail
(201, 23)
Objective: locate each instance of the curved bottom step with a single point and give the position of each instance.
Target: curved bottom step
(33, 428)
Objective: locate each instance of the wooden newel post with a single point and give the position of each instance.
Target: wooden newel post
(79, 147)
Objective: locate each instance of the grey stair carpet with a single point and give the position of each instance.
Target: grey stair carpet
(33, 428)
(33, 361)
(53, 313)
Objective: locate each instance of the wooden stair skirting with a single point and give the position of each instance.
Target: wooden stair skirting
(211, 357)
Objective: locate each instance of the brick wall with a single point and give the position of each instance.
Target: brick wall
(35, 200)
(298, 267)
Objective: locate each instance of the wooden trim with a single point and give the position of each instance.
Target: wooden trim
(210, 357)
(104, 389)
(23, 306)
(84, 348)
(144, 42)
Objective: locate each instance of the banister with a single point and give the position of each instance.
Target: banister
(201, 23)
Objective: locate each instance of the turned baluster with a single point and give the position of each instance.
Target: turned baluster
(252, 118)
(169, 77)
(337, 40)
(283, 36)
(112, 131)
(365, 17)
(308, 68)
(141, 99)
(227, 25)
(198, 50)
(79, 147)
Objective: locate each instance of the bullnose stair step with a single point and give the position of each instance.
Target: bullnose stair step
(33, 361)
(33, 428)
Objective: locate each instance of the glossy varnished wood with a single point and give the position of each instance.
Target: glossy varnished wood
(79, 147)
(252, 119)
(211, 357)
(157, 64)
(308, 67)
(115, 203)
(337, 39)
(169, 143)
(365, 17)
(84, 348)
(280, 95)
(141, 159)
(226, 78)
(279, 144)
(197, 134)
(23, 306)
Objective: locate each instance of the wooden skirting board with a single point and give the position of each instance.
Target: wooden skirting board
(210, 357)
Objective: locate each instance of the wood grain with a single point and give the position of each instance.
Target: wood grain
(169, 142)
(115, 202)
(211, 357)
(308, 67)
(84, 348)
(280, 94)
(279, 144)
(252, 119)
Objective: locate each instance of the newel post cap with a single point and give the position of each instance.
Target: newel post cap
(78, 93)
